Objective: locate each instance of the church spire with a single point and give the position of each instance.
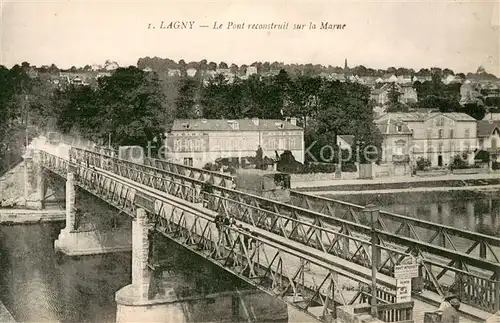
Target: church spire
(345, 64)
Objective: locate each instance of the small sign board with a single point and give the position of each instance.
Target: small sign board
(406, 271)
(403, 290)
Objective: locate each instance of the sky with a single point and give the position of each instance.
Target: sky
(378, 34)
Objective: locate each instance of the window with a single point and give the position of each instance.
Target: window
(429, 132)
(440, 122)
(440, 147)
(292, 143)
(440, 133)
(177, 145)
(188, 161)
(281, 144)
(466, 134)
(467, 146)
(399, 128)
(451, 133)
(189, 145)
(197, 144)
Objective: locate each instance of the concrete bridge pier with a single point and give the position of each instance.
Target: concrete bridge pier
(137, 303)
(34, 183)
(75, 242)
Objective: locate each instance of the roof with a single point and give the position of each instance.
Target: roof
(390, 127)
(419, 116)
(227, 125)
(485, 127)
(349, 139)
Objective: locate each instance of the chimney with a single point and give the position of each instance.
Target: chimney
(293, 121)
(255, 121)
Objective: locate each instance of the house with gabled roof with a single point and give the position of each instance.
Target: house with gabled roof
(196, 142)
(380, 94)
(396, 140)
(488, 137)
(438, 136)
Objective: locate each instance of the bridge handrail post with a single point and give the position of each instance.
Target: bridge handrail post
(373, 213)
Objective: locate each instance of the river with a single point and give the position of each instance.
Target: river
(468, 210)
(36, 284)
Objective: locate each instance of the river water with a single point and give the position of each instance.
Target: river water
(36, 284)
(469, 210)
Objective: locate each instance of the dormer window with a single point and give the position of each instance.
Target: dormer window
(235, 125)
(280, 125)
(399, 128)
(185, 125)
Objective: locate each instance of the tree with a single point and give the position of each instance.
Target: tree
(185, 102)
(212, 66)
(223, 65)
(234, 68)
(393, 94)
(474, 110)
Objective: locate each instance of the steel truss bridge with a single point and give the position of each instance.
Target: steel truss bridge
(314, 253)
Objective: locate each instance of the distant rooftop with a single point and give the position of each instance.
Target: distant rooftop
(419, 116)
(232, 125)
(392, 127)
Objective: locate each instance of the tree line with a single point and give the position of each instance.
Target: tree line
(132, 107)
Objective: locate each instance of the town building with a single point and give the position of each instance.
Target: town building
(345, 142)
(381, 95)
(251, 70)
(191, 72)
(174, 72)
(491, 116)
(397, 140)
(488, 137)
(469, 93)
(196, 142)
(439, 137)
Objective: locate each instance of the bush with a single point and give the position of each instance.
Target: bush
(459, 162)
(423, 164)
(483, 156)
(349, 168)
(495, 165)
(319, 168)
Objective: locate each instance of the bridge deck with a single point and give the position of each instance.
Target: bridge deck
(338, 264)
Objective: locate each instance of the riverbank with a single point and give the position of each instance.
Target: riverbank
(449, 181)
(25, 216)
(5, 316)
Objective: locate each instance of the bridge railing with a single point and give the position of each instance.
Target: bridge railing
(443, 268)
(275, 266)
(215, 178)
(473, 243)
(477, 244)
(391, 313)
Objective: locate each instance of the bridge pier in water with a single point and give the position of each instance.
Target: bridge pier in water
(151, 299)
(34, 181)
(75, 242)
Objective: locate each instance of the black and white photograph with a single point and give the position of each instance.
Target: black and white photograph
(250, 161)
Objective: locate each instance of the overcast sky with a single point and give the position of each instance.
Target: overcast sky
(379, 34)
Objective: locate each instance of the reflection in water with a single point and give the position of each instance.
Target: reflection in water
(38, 285)
(463, 210)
